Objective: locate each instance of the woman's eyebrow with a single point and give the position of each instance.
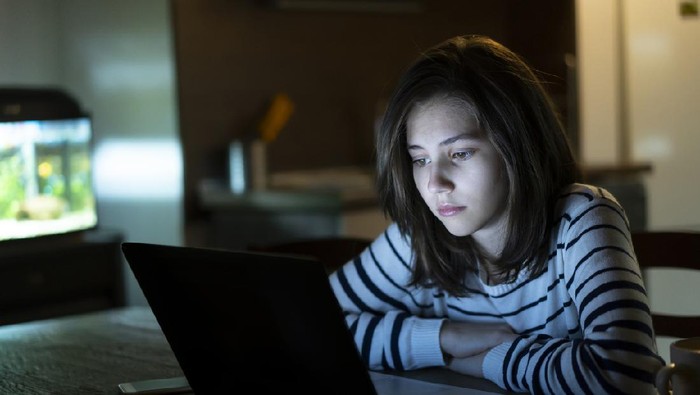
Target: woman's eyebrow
(459, 137)
(451, 140)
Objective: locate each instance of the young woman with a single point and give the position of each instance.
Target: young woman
(498, 264)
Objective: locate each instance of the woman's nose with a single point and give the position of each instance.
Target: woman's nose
(439, 181)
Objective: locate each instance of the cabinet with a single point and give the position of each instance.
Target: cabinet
(281, 215)
(54, 279)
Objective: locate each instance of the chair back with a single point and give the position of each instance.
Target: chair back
(670, 250)
(332, 252)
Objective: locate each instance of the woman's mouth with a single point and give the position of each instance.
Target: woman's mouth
(448, 210)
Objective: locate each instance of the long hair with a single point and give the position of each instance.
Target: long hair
(520, 120)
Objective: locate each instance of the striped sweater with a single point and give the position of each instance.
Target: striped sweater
(583, 326)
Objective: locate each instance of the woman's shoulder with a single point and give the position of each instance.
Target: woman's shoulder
(587, 205)
(393, 238)
(582, 195)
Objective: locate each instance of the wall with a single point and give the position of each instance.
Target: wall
(28, 31)
(644, 52)
(597, 45)
(663, 86)
(116, 58)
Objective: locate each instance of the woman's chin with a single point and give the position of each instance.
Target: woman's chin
(457, 231)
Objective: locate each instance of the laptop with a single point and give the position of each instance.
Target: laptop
(261, 321)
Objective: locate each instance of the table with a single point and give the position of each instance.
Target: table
(84, 354)
(92, 353)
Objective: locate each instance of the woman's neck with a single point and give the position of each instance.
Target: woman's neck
(490, 274)
(491, 240)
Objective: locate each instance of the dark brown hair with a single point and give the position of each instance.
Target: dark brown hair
(513, 108)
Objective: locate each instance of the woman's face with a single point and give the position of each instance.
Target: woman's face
(457, 170)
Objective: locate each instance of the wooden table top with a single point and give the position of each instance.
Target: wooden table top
(84, 354)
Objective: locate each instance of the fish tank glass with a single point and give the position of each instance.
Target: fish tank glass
(46, 183)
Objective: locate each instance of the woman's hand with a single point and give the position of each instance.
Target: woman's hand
(465, 344)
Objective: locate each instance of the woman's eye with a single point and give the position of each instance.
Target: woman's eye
(420, 162)
(462, 155)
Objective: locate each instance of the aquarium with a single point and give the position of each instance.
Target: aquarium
(46, 178)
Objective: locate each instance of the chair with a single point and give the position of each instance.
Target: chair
(670, 250)
(332, 252)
